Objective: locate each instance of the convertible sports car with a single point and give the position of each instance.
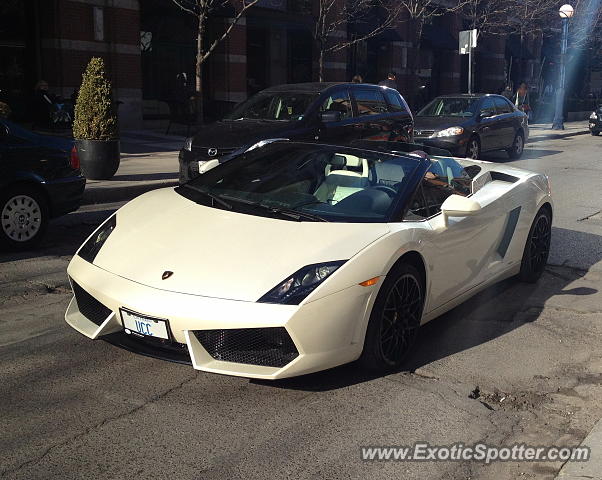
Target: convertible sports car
(293, 257)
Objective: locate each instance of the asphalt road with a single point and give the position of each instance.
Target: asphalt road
(75, 409)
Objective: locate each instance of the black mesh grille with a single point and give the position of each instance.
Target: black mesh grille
(89, 307)
(268, 347)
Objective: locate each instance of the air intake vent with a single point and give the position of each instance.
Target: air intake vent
(268, 347)
(89, 307)
(503, 177)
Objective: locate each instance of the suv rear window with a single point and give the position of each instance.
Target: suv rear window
(370, 102)
(394, 100)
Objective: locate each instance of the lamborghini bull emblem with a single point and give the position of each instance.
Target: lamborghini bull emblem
(166, 275)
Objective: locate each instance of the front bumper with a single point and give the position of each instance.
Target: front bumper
(454, 145)
(326, 333)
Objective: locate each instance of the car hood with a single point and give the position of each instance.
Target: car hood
(237, 133)
(438, 123)
(219, 253)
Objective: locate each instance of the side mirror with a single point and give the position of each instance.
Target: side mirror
(458, 206)
(330, 116)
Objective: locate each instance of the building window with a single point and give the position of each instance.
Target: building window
(99, 24)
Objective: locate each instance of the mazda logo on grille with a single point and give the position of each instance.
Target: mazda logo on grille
(212, 152)
(166, 275)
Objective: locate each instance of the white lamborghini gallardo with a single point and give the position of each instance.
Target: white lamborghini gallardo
(294, 257)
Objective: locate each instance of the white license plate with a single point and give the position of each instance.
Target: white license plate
(142, 325)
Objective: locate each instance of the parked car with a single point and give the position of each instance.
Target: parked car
(468, 125)
(324, 112)
(595, 122)
(40, 179)
(297, 257)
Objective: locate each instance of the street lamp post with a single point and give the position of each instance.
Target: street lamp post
(565, 12)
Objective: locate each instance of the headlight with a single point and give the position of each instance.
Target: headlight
(188, 144)
(300, 284)
(450, 132)
(90, 249)
(593, 116)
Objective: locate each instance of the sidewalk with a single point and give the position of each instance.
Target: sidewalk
(543, 131)
(591, 469)
(149, 160)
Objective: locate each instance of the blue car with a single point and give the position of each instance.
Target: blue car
(40, 179)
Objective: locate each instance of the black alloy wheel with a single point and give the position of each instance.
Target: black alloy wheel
(395, 320)
(537, 248)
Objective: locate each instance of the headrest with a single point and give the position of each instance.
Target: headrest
(338, 161)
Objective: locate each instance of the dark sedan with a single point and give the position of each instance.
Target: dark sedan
(595, 122)
(468, 125)
(337, 113)
(40, 179)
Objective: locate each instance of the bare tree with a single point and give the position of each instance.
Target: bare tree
(488, 17)
(203, 10)
(331, 17)
(418, 14)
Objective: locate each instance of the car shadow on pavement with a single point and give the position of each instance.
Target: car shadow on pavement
(494, 312)
(528, 154)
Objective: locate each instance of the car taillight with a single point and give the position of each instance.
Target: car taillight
(74, 158)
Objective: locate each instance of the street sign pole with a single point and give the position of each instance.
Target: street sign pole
(468, 41)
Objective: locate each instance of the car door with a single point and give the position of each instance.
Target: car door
(504, 122)
(344, 130)
(373, 122)
(486, 125)
(460, 249)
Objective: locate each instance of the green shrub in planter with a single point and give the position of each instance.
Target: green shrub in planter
(95, 125)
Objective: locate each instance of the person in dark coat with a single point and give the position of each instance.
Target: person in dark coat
(390, 81)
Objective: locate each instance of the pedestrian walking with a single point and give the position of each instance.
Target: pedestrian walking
(521, 99)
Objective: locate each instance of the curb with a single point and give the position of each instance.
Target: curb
(593, 467)
(121, 193)
(548, 136)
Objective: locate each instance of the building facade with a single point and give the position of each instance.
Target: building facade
(149, 50)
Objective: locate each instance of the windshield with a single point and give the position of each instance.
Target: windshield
(274, 106)
(313, 182)
(450, 107)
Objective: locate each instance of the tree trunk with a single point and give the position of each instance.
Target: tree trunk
(199, 71)
(321, 65)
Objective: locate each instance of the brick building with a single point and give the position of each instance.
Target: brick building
(149, 49)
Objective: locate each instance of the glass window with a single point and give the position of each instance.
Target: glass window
(450, 107)
(502, 105)
(274, 106)
(445, 177)
(339, 102)
(370, 102)
(487, 107)
(394, 100)
(307, 181)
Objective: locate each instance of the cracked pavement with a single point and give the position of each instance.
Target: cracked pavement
(75, 409)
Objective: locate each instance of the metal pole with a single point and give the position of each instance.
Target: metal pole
(469, 69)
(558, 123)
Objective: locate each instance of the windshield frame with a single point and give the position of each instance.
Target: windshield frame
(393, 214)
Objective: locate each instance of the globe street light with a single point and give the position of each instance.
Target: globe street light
(565, 12)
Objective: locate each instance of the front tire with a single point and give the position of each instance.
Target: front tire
(395, 320)
(537, 248)
(517, 148)
(24, 216)
(595, 133)
(473, 148)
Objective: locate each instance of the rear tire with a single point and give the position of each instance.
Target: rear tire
(537, 248)
(24, 216)
(518, 146)
(473, 148)
(394, 320)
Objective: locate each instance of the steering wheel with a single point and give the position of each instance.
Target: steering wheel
(388, 190)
